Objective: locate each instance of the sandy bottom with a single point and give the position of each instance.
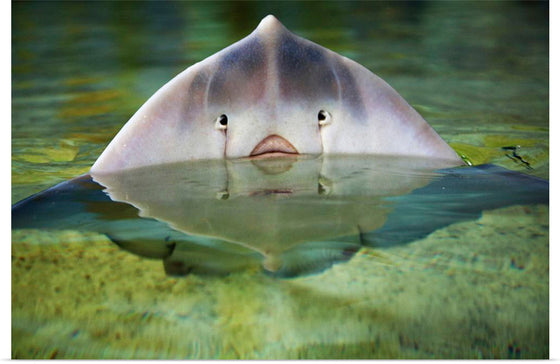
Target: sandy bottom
(475, 289)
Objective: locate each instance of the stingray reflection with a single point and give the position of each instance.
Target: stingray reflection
(283, 208)
(292, 216)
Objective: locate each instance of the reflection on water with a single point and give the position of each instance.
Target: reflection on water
(460, 277)
(294, 215)
(285, 209)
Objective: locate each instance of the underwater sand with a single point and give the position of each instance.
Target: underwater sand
(475, 289)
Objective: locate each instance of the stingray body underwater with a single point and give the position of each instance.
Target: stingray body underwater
(310, 153)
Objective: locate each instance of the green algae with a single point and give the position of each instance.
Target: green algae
(450, 295)
(65, 152)
(475, 155)
(494, 141)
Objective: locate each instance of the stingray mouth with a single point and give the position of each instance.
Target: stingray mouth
(273, 146)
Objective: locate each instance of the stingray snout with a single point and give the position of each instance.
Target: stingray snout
(273, 145)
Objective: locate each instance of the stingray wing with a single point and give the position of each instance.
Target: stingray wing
(460, 194)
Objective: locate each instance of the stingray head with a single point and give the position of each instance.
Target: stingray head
(271, 94)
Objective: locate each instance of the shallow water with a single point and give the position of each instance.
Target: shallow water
(342, 239)
(475, 288)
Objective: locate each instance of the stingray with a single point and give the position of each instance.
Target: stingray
(272, 93)
(273, 152)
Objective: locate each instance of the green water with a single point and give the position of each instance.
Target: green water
(476, 71)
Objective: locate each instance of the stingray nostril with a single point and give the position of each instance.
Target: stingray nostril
(221, 122)
(324, 117)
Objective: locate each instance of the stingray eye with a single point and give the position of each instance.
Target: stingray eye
(324, 117)
(221, 122)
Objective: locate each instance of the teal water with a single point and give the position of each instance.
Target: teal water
(476, 71)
